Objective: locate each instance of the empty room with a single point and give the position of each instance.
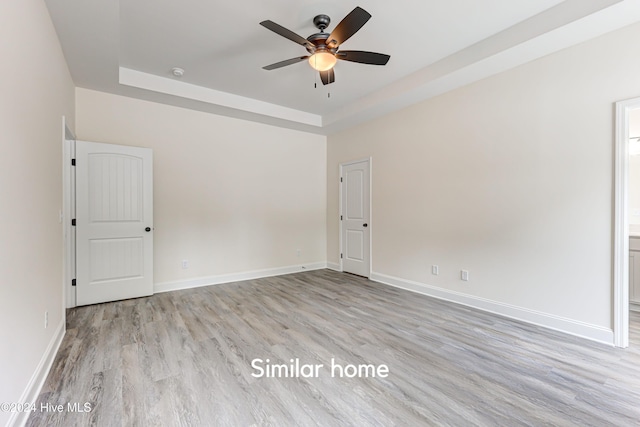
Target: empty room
(297, 213)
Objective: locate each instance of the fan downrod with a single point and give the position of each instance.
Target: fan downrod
(321, 22)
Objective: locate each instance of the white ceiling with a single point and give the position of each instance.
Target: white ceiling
(129, 48)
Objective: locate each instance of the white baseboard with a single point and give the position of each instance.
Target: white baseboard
(234, 277)
(31, 392)
(550, 321)
(333, 266)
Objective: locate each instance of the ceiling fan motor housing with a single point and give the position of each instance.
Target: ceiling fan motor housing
(321, 22)
(319, 42)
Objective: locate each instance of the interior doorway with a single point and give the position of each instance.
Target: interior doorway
(634, 209)
(621, 263)
(355, 217)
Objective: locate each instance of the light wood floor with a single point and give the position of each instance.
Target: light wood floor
(184, 358)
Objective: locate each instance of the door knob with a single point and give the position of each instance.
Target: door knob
(365, 225)
(148, 229)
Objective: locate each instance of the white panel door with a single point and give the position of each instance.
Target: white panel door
(355, 218)
(114, 222)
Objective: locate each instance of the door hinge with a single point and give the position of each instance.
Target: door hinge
(340, 179)
(73, 162)
(341, 256)
(73, 282)
(340, 217)
(73, 222)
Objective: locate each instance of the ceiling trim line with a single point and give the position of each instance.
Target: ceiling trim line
(141, 80)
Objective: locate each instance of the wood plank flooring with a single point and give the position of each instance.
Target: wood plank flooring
(184, 359)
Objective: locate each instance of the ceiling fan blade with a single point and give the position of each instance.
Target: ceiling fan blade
(348, 26)
(285, 63)
(363, 57)
(282, 31)
(327, 77)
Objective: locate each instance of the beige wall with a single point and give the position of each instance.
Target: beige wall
(510, 178)
(634, 174)
(36, 91)
(230, 196)
(634, 193)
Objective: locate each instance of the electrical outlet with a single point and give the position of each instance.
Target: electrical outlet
(464, 275)
(46, 319)
(435, 270)
(185, 264)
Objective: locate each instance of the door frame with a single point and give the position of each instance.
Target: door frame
(621, 223)
(340, 243)
(68, 212)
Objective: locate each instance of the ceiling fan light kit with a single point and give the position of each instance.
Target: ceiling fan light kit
(324, 48)
(322, 61)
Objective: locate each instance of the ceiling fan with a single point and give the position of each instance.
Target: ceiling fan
(324, 48)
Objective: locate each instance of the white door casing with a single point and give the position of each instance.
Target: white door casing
(621, 224)
(355, 218)
(114, 222)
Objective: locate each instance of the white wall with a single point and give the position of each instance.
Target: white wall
(510, 178)
(230, 196)
(36, 91)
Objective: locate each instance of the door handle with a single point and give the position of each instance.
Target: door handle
(148, 229)
(365, 225)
